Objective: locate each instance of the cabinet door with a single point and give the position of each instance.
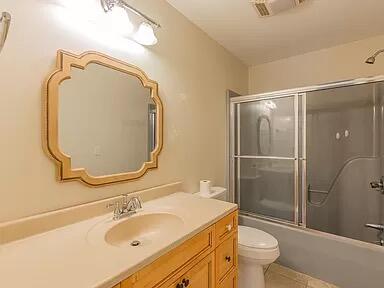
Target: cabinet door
(202, 275)
(226, 257)
(230, 281)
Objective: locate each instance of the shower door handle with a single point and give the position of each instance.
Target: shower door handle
(379, 227)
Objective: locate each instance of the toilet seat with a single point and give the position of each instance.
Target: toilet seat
(257, 244)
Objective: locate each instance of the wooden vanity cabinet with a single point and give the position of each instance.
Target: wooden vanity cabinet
(207, 260)
(230, 281)
(202, 275)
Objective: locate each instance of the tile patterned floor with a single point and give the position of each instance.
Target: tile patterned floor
(277, 276)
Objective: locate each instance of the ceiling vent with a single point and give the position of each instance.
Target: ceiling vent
(271, 7)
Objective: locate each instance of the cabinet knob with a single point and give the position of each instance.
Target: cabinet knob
(179, 285)
(228, 258)
(185, 282)
(229, 227)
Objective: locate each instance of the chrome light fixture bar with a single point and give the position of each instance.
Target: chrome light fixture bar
(5, 20)
(109, 4)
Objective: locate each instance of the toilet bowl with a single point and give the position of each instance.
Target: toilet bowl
(256, 249)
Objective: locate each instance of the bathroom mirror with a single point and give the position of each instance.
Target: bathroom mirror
(103, 119)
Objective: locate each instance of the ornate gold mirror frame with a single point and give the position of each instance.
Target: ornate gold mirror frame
(65, 61)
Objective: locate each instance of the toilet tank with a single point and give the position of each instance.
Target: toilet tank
(218, 193)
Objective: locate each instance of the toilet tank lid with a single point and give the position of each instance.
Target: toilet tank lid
(215, 192)
(254, 238)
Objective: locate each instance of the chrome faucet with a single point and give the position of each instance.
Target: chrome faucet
(380, 234)
(127, 207)
(379, 227)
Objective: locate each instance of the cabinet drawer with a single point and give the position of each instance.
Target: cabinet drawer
(226, 226)
(226, 257)
(174, 262)
(202, 275)
(229, 281)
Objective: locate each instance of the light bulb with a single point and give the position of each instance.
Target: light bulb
(145, 35)
(118, 22)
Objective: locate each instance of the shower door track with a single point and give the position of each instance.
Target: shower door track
(296, 92)
(289, 92)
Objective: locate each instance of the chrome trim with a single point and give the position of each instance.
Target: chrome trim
(109, 4)
(303, 160)
(229, 145)
(375, 125)
(267, 218)
(231, 152)
(318, 191)
(296, 153)
(289, 92)
(264, 157)
(5, 20)
(237, 164)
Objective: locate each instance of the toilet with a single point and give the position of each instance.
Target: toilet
(256, 248)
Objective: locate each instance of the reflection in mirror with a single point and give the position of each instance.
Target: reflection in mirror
(106, 119)
(264, 135)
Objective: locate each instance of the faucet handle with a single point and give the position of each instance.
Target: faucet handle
(137, 202)
(116, 205)
(117, 211)
(125, 201)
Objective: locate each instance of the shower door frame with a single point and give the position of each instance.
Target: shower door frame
(233, 137)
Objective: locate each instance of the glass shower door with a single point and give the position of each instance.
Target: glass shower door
(344, 154)
(266, 157)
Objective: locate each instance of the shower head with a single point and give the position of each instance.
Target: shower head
(372, 59)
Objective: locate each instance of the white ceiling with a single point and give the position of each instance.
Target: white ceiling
(314, 25)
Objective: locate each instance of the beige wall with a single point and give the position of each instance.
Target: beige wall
(332, 64)
(193, 73)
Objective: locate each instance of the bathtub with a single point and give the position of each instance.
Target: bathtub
(344, 262)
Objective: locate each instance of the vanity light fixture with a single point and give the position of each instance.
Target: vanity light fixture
(145, 34)
(119, 22)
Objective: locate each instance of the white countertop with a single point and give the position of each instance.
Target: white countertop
(73, 256)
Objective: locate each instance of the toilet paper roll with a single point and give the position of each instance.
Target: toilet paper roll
(205, 186)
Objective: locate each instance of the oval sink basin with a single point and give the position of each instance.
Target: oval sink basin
(143, 229)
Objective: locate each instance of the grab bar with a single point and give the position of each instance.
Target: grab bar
(5, 20)
(317, 191)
